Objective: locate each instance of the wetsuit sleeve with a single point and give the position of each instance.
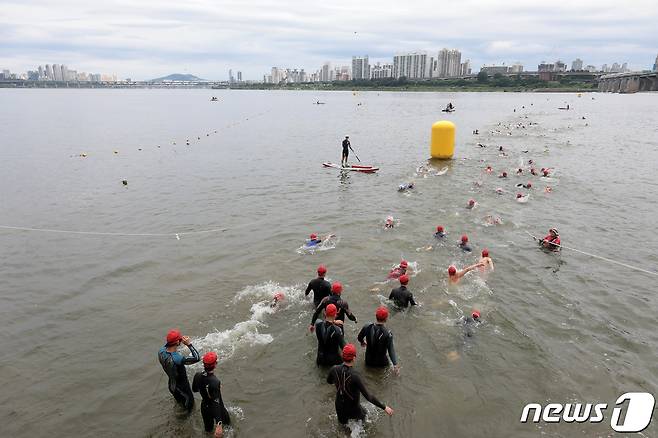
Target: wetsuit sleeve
(411, 300)
(390, 297)
(308, 289)
(350, 315)
(194, 358)
(195, 383)
(391, 350)
(362, 334)
(371, 398)
(321, 306)
(330, 377)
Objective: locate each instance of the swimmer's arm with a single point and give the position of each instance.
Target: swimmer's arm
(492, 265)
(330, 377)
(350, 315)
(411, 301)
(308, 289)
(194, 358)
(391, 350)
(321, 306)
(362, 334)
(371, 398)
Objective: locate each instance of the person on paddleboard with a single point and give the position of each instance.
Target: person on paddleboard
(349, 388)
(346, 151)
(212, 406)
(173, 363)
(321, 288)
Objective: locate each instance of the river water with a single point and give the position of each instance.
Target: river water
(83, 315)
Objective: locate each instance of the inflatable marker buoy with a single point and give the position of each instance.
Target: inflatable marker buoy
(442, 144)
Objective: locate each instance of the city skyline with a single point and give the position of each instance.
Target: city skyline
(151, 39)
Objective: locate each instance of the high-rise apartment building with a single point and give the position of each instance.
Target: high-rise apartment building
(379, 71)
(577, 65)
(326, 72)
(411, 66)
(49, 73)
(465, 68)
(360, 67)
(448, 64)
(655, 64)
(239, 76)
(517, 67)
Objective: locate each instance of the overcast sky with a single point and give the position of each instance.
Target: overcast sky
(143, 39)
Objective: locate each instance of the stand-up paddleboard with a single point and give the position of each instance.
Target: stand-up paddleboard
(353, 168)
(448, 111)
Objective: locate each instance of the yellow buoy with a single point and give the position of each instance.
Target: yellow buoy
(442, 145)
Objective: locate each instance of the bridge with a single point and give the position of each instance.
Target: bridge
(629, 82)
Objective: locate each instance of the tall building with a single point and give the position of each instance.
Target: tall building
(605, 68)
(517, 67)
(655, 64)
(360, 67)
(278, 75)
(379, 71)
(411, 66)
(326, 72)
(64, 72)
(577, 65)
(239, 76)
(495, 69)
(448, 64)
(591, 68)
(465, 68)
(616, 68)
(49, 73)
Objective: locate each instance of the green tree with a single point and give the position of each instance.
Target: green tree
(483, 77)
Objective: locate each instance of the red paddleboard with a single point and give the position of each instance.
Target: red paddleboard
(353, 168)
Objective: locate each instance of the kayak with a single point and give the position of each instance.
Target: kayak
(448, 111)
(353, 168)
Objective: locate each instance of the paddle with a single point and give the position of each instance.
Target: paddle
(357, 157)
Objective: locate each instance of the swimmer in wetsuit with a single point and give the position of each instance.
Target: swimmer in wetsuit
(440, 233)
(463, 244)
(212, 406)
(330, 337)
(471, 204)
(469, 322)
(401, 295)
(336, 300)
(349, 388)
(378, 341)
(321, 288)
(173, 363)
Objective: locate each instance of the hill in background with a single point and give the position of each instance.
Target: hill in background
(178, 77)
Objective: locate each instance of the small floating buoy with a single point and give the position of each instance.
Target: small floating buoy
(125, 182)
(116, 152)
(83, 155)
(139, 149)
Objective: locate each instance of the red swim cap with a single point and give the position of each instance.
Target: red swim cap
(337, 288)
(439, 229)
(404, 263)
(529, 185)
(349, 352)
(464, 238)
(279, 296)
(504, 173)
(452, 270)
(173, 336)
(404, 279)
(331, 310)
(485, 252)
(471, 202)
(322, 269)
(475, 314)
(519, 195)
(314, 236)
(210, 358)
(382, 313)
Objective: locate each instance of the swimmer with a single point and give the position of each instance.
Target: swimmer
(533, 171)
(454, 275)
(401, 295)
(378, 341)
(390, 222)
(440, 233)
(489, 169)
(330, 338)
(519, 171)
(406, 186)
(530, 162)
(545, 173)
(471, 204)
(503, 175)
(491, 220)
(208, 385)
(321, 288)
(349, 388)
(525, 186)
(500, 148)
(520, 197)
(313, 240)
(499, 190)
(548, 189)
(470, 321)
(463, 244)
(551, 241)
(399, 270)
(173, 363)
(486, 261)
(336, 300)
(276, 299)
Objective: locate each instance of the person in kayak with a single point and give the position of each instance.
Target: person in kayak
(440, 232)
(208, 385)
(551, 241)
(330, 337)
(399, 270)
(378, 341)
(349, 388)
(321, 288)
(401, 295)
(454, 275)
(336, 300)
(346, 151)
(463, 244)
(173, 363)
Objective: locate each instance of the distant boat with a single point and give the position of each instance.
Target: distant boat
(213, 99)
(318, 103)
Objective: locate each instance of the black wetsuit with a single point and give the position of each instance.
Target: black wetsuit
(465, 247)
(330, 343)
(439, 234)
(321, 288)
(469, 322)
(341, 305)
(174, 365)
(402, 297)
(212, 405)
(349, 388)
(379, 341)
(346, 149)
